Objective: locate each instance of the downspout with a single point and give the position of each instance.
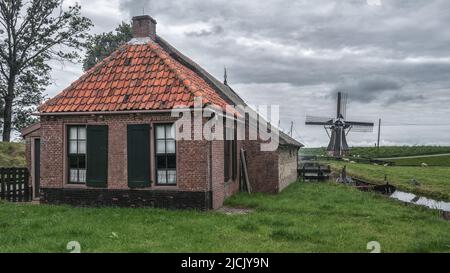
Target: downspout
(210, 173)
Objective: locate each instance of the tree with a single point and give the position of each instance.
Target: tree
(102, 45)
(31, 34)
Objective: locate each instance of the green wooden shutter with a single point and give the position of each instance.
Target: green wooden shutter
(138, 147)
(97, 156)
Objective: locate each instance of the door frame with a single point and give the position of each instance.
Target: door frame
(33, 166)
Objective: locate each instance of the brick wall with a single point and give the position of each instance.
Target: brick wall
(217, 173)
(192, 158)
(287, 165)
(200, 164)
(262, 167)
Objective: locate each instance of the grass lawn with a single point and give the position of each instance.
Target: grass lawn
(435, 181)
(12, 154)
(303, 218)
(430, 161)
(384, 151)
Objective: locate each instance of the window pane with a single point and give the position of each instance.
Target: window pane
(170, 146)
(160, 132)
(171, 177)
(82, 147)
(73, 175)
(171, 162)
(170, 131)
(162, 177)
(160, 146)
(73, 133)
(161, 162)
(72, 146)
(82, 132)
(82, 175)
(73, 162)
(82, 162)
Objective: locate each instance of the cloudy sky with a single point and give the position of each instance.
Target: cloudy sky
(392, 57)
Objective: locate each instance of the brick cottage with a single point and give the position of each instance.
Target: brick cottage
(109, 138)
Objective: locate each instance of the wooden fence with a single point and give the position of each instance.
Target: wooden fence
(314, 171)
(14, 185)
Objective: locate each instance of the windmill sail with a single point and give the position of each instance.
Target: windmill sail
(313, 120)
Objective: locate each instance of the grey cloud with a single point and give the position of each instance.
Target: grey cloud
(370, 88)
(305, 50)
(205, 32)
(136, 7)
(405, 98)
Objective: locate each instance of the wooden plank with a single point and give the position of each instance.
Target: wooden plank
(8, 185)
(244, 167)
(22, 185)
(26, 190)
(19, 186)
(14, 184)
(2, 184)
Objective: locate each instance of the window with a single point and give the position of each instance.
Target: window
(166, 173)
(77, 154)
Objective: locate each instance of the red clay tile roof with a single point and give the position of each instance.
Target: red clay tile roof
(135, 77)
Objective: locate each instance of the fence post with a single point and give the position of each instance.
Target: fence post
(27, 185)
(14, 184)
(8, 184)
(304, 173)
(2, 184)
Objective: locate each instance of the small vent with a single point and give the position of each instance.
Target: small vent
(126, 98)
(127, 61)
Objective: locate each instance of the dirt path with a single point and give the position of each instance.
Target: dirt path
(413, 156)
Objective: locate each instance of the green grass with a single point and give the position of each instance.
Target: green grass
(430, 161)
(384, 151)
(303, 218)
(435, 181)
(12, 154)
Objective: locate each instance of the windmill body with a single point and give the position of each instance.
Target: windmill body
(338, 128)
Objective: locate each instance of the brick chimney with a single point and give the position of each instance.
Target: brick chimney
(144, 26)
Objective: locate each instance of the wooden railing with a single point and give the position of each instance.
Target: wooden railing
(14, 185)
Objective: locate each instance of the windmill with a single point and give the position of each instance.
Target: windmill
(338, 128)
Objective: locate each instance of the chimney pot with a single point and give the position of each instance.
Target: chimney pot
(144, 26)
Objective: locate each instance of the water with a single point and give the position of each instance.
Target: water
(412, 198)
(423, 201)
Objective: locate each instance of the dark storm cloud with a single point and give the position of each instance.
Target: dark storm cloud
(369, 89)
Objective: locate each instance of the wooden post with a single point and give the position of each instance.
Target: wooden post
(14, 184)
(379, 133)
(304, 173)
(244, 165)
(2, 184)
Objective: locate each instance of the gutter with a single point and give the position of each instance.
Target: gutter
(126, 112)
(106, 112)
